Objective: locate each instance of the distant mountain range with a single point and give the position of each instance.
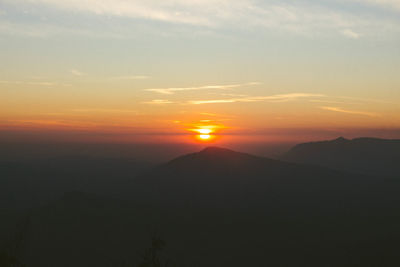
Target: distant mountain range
(364, 155)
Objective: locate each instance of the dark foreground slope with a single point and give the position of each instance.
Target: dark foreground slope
(25, 184)
(364, 155)
(223, 208)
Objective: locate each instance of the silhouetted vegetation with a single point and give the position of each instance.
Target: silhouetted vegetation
(8, 260)
(152, 256)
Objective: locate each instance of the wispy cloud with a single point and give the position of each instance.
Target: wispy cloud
(167, 10)
(366, 100)
(216, 115)
(351, 34)
(36, 83)
(210, 114)
(158, 102)
(77, 72)
(354, 112)
(131, 77)
(300, 17)
(43, 122)
(274, 98)
(172, 90)
(45, 29)
(327, 101)
(103, 110)
(383, 3)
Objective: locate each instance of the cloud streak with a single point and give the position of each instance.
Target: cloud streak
(351, 34)
(173, 90)
(353, 112)
(44, 83)
(131, 77)
(77, 73)
(272, 98)
(167, 10)
(102, 110)
(158, 102)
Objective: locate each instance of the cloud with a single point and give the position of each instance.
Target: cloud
(210, 114)
(383, 3)
(273, 98)
(366, 100)
(38, 122)
(354, 112)
(300, 17)
(39, 83)
(172, 90)
(131, 77)
(36, 29)
(333, 102)
(158, 102)
(351, 34)
(77, 72)
(167, 10)
(102, 110)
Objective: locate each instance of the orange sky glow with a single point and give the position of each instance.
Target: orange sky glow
(277, 72)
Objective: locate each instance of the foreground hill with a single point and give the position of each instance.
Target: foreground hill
(364, 155)
(219, 207)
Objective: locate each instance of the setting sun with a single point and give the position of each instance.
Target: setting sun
(205, 136)
(204, 131)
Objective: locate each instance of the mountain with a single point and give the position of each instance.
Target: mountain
(372, 156)
(215, 175)
(218, 207)
(259, 211)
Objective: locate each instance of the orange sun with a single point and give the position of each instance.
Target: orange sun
(204, 136)
(205, 133)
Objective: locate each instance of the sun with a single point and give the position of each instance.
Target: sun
(204, 134)
(204, 137)
(204, 131)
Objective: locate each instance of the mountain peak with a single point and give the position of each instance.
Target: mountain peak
(215, 150)
(340, 139)
(213, 161)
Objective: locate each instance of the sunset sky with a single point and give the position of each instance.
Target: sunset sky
(160, 71)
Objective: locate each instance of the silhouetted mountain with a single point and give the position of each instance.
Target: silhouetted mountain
(221, 171)
(219, 207)
(236, 198)
(364, 155)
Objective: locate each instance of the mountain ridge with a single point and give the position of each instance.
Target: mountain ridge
(365, 155)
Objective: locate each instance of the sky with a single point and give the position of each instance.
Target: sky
(146, 71)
